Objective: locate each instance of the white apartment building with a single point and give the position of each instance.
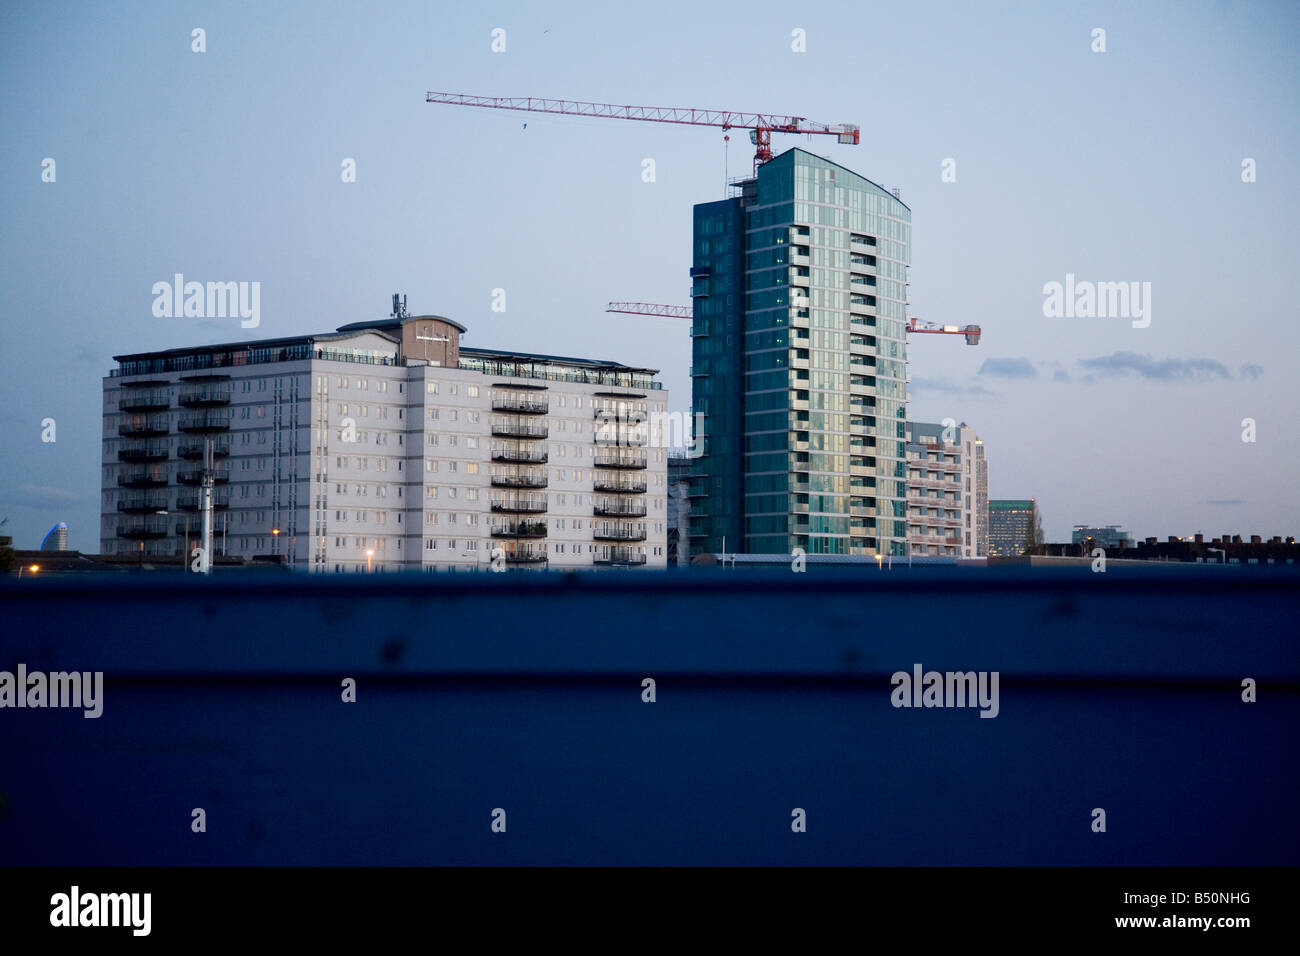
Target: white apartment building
(947, 491)
(386, 446)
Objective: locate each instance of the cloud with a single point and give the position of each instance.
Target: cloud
(1226, 501)
(39, 496)
(946, 387)
(1060, 376)
(1119, 364)
(1020, 368)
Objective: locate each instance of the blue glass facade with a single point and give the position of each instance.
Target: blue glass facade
(800, 363)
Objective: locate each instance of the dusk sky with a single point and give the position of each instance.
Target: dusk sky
(1116, 166)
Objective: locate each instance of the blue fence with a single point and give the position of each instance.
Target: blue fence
(773, 694)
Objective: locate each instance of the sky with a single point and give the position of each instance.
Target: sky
(1117, 166)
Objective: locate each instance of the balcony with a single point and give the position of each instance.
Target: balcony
(194, 502)
(799, 279)
(519, 455)
(154, 526)
(609, 436)
(519, 529)
(511, 428)
(619, 508)
(210, 421)
(204, 397)
(520, 504)
(193, 450)
(144, 425)
(860, 305)
(618, 534)
(615, 486)
(142, 503)
(195, 476)
(144, 401)
(526, 556)
(142, 478)
(621, 413)
(519, 479)
(625, 557)
(620, 458)
(518, 405)
(143, 451)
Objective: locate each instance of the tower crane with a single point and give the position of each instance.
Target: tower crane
(972, 332)
(760, 125)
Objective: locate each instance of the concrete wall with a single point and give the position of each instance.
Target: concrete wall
(523, 692)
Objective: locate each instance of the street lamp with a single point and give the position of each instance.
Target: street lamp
(32, 568)
(370, 553)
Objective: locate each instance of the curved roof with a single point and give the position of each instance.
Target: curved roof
(393, 324)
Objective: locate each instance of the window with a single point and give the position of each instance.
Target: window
(471, 468)
(431, 388)
(430, 465)
(471, 391)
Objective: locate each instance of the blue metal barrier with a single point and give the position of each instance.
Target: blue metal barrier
(773, 693)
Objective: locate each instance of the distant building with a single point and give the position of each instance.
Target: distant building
(944, 499)
(981, 501)
(1010, 525)
(679, 511)
(385, 444)
(799, 364)
(1228, 549)
(1109, 537)
(56, 539)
